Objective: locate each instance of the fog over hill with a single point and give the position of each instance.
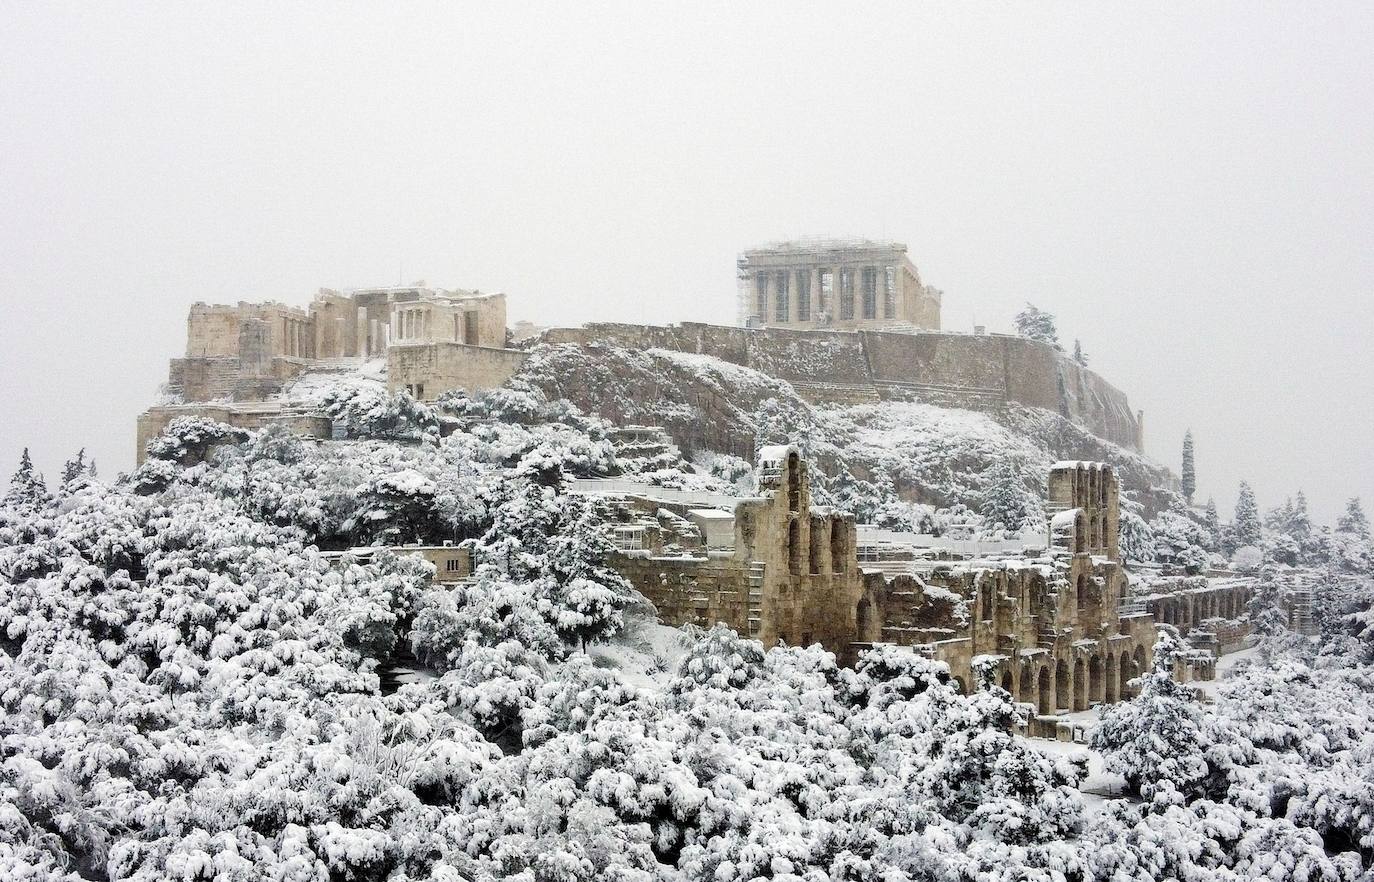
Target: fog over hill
(1187, 189)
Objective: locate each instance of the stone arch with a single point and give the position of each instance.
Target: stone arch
(1123, 691)
(839, 546)
(819, 541)
(1080, 532)
(1083, 587)
(1009, 682)
(1132, 666)
(987, 599)
(1063, 686)
(1080, 685)
(1044, 695)
(795, 559)
(1095, 684)
(794, 493)
(863, 620)
(1111, 692)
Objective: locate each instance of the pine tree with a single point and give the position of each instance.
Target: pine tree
(588, 595)
(1246, 524)
(1078, 354)
(75, 467)
(1189, 472)
(1212, 519)
(1156, 738)
(1036, 324)
(28, 491)
(1278, 517)
(1299, 524)
(1003, 502)
(1354, 520)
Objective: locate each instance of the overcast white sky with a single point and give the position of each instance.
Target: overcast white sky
(1190, 189)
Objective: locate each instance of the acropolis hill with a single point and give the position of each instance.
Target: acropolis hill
(833, 327)
(843, 322)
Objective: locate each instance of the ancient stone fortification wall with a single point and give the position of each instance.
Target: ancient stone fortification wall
(974, 371)
(439, 367)
(224, 379)
(152, 421)
(689, 591)
(212, 330)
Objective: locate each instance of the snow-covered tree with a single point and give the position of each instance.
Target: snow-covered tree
(1245, 526)
(1189, 469)
(1353, 520)
(1300, 522)
(1211, 521)
(1180, 539)
(1078, 354)
(719, 659)
(1004, 502)
(76, 467)
(188, 440)
(28, 491)
(1156, 738)
(588, 595)
(522, 526)
(371, 413)
(396, 509)
(1135, 539)
(1036, 324)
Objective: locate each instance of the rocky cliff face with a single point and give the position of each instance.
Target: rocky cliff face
(925, 451)
(981, 372)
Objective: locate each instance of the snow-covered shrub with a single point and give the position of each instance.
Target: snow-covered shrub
(371, 413)
(187, 440)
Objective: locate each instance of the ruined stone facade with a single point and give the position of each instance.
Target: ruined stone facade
(248, 351)
(240, 357)
(790, 574)
(847, 284)
(1055, 625)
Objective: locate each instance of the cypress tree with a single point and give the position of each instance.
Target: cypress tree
(1189, 471)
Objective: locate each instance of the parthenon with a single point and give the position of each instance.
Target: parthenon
(845, 284)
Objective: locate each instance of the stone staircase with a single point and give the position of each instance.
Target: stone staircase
(338, 364)
(942, 395)
(755, 581)
(847, 394)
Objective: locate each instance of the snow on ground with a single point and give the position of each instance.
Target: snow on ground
(708, 368)
(318, 382)
(1099, 786)
(1226, 665)
(645, 653)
